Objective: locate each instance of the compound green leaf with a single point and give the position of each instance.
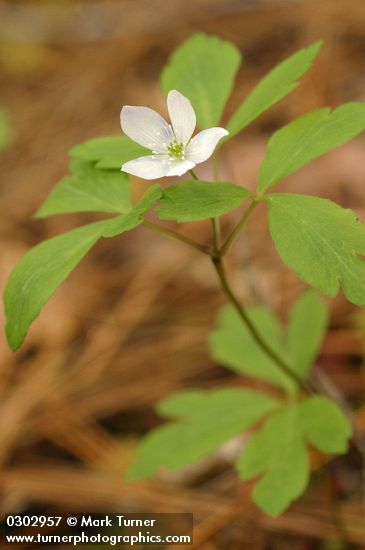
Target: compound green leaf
(277, 452)
(109, 152)
(276, 85)
(324, 425)
(215, 417)
(199, 200)
(89, 189)
(232, 345)
(320, 241)
(306, 330)
(203, 68)
(307, 138)
(40, 272)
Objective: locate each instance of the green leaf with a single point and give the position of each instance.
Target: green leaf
(38, 275)
(307, 138)
(232, 345)
(278, 451)
(203, 68)
(206, 420)
(135, 217)
(320, 241)
(40, 272)
(184, 403)
(109, 151)
(277, 84)
(324, 425)
(306, 330)
(6, 135)
(199, 200)
(89, 189)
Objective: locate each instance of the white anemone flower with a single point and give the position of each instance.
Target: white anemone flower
(174, 151)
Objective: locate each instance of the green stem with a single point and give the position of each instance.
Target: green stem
(193, 174)
(218, 265)
(216, 225)
(237, 229)
(176, 236)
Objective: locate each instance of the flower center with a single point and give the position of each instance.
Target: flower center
(176, 150)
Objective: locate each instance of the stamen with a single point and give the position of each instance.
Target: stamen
(176, 150)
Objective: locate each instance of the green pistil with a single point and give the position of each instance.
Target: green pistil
(176, 150)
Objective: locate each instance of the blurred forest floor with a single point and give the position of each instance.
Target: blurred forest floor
(130, 325)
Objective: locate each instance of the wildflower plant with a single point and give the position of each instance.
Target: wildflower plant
(315, 237)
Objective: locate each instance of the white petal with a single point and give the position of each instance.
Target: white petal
(203, 144)
(148, 168)
(179, 167)
(146, 127)
(182, 116)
